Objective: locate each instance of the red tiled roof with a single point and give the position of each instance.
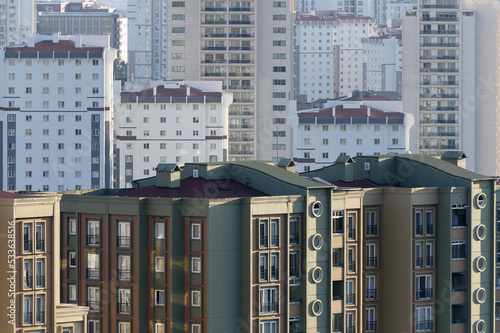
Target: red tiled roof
(341, 112)
(161, 91)
(195, 188)
(8, 195)
(49, 46)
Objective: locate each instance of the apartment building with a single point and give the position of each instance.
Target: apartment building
(79, 18)
(392, 10)
(449, 82)
(29, 280)
(247, 45)
(172, 122)
(330, 53)
(382, 65)
(17, 21)
(350, 129)
(56, 125)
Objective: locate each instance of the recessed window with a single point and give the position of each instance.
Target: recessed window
(481, 232)
(481, 264)
(159, 297)
(317, 274)
(317, 307)
(317, 242)
(159, 230)
(195, 265)
(481, 200)
(480, 295)
(196, 298)
(196, 231)
(317, 209)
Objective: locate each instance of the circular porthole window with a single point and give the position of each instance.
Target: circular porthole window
(317, 209)
(481, 200)
(317, 307)
(317, 274)
(481, 263)
(481, 326)
(481, 232)
(480, 295)
(317, 242)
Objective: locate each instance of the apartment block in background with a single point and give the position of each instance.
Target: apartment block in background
(247, 45)
(17, 22)
(31, 240)
(56, 121)
(450, 82)
(79, 18)
(172, 122)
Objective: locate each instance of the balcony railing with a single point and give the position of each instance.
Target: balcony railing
(94, 305)
(40, 317)
(352, 233)
(338, 263)
(371, 325)
(240, 74)
(92, 273)
(371, 293)
(430, 261)
(294, 239)
(271, 307)
(40, 245)
(240, 48)
(213, 74)
(371, 262)
(240, 9)
(294, 272)
(350, 298)
(214, 22)
(275, 273)
(241, 35)
(123, 274)
(241, 22)
(439, 70)
(439, 95)
(450, 6)
(437, 121)
(263, 241)
(424, 293)
(28, 317)
(40, 280)
(215, 35)
(214, 48)
(27, 245)
(371, 230)
(440, 19)
(93, 239)
(123, 241)
(214, 9)
(275, 240)
(352, 266)
(439, 32)
(419, 261)
(439, 83)
(439, 134)
(123, 307)
(419, 230)
(350, 329)
(28, 282)
(438, 108)
(424, 325)
(263, 274)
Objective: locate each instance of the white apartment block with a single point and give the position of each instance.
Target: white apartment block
(450, 80)
(330, 53)
(56, 120)
(246, 45)
(351, 128)
(383, 62)
(173, 122)
(17, 21)
(391, 10)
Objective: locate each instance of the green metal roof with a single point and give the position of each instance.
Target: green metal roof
(454, 154)
(167, 167)
(285, 162)
(344, 159)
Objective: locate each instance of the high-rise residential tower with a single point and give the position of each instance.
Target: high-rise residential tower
(17, 21)
(248, 45)
(450, 79)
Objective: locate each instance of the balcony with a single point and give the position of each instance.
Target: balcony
(438, 70)
(123, 241)
(430, 261)
(240, 9)
(439, 108)
(214, 9)
(28, 282)
(424, 293)
(350, 329)
(213, 61)
(438, 83)
(371, 262)
(294, 272)
(241, 100)
(94, 305)
(439, 95)
(123, 308)
(40, 317)
(352, 234)
(240, 87)
(28, 245)
(294, 239)
(439, 134)
(371, 230)
(371, 325)
(28, 317)
(271, 307)
(419, 261)
(214, 22)
(439, 44)
(40, 245)
(239, 139)
(424, 325)
(439, 32)
(215, 35)
(241, 35)
(213, 74)
(440, 147)
(40, 281)
(437, 121)
(371, 293)
(92, 273)
(451, 6)
(350, 299)
(237, 61)
(124, 274)
(93, 240)
(241, 152)
(263, 241)
(352, 266)
(240, 74)
(440, 19)
(214, 48)
(241, 22)
(240, 48)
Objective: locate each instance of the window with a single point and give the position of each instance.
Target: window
(371, 291)
(123, 234)
(458, 250)
(39, 237)
(263, 274)
(423, 321)
(458, 217)
(27, 273)
(419, 227)
(371, 223)
(124, 268)
(352, 260)
(93, 326)
(95, 76)
(423, 287)
(429, 225)
(371, 323)
(351, 226)
(279, 82)
(349, 290)
(263, 233)
(28, 314)
(93, 265)
(72, 292)
(268, 326)
(159, 263)
(124, 327)
(93, 300)
(196, 298)
(269, 300)
(123, 301)
(95, 90)
(277, 17)
(72, 259)
(294, 264)
(195, 265)
(195, 231)
(95, 62)
(78, 118)
(78, 76)
(27, 237)
(93, 233)
(371, 256)
(159, 297)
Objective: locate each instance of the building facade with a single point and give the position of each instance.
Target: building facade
(177, 122)
(248, 46)
(75, 18)
(449, 81)
(17, 22)
(382, 66)
(330, 53)
(57, 103)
